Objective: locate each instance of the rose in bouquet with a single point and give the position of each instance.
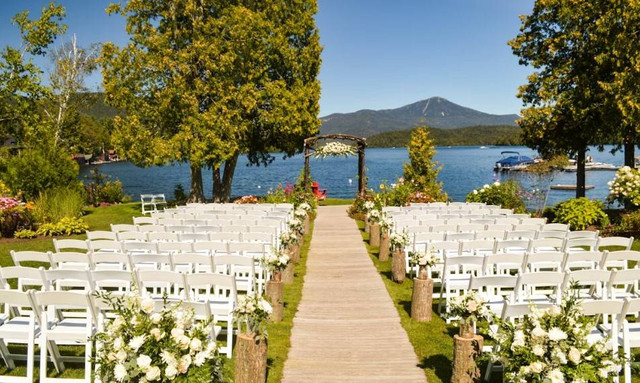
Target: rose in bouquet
(143, 345)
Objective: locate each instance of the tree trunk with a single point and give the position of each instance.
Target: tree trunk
(398, 266)
(287, 274)
(629, 152)
(251, 359)
(374, 235)
(581, 174)
(383, 255)
(222, 184)
(196, 191)
(465, 352)
(422, 300)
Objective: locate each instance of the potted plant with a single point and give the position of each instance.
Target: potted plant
(398, 241)
(422, 295)
(252, 313)
(276, 261)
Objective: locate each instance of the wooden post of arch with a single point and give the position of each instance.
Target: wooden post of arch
(309, 145)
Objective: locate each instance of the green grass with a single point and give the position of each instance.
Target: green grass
(336, 201)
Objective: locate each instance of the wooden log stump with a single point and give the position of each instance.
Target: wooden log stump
(374, 235)
(398, 266)
(383, 256)
(422, 299)
(287, 274)
(251, 359)
(294, 252)
(465, 352)
(367, 226)
(306, 223)
(275, 297)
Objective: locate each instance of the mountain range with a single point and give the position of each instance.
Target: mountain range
(436, 112)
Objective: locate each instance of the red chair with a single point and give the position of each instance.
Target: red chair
(320, 194)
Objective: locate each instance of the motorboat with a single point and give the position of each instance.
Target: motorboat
(512, 161)
(589, 165)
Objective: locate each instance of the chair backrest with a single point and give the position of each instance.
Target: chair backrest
(132, 236)
(211, 247)
(584, 260)
(593, 279)
(490, 234)
(145, 221)
(64, 300)
(70, 245)
(512, 246)
(162, 237)
(539, 284)
(31, 256)
(194, 237)
(18, 303)
(493, 284)
(193, 262)
(521, 234)
(555, 227)
(580, 244)
(514, 310)
(194, 222)
(141, 247)
(257, 237)
(254, 249)
(160, 282)
(212, 286)
(547, 244)
(101, 234)
(57, 279)
(175, 247)
(112, 279)
(477, 247)
(106, 245)
(528, 227)
(26, 277)
(583, 234)
(108, 260)
(123, 227)
(545, 260)
(500, 263)
(151, 228)
(471, 227)
(459, 236)
(150, 261)
(623, 242)
(622, 259)
(71, 260)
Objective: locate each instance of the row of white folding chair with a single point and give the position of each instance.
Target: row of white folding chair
(264, 235)
(191, 225)
(221, 213)
(229, 243)
(522, 232)
(248, 270)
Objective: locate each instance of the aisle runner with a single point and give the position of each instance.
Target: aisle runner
(346, 328)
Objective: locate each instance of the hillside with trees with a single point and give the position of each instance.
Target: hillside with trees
(472, 135)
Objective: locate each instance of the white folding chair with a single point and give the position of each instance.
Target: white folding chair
(629, 336)
(539, 287)
(19, 325)
(588, 284)
(132, 236)
(162, 237)
(545, 261)
(26, 278)
(618, 243)
(584, 260)
(160, 283)
(241, 267)
(145, 221)
(101, 234)
(76, 245)
(622, 259)
(71, 260)
(123, 227)
(504, 264)
(494, 289)
(457, 271)
(106, 245)
(109, 260)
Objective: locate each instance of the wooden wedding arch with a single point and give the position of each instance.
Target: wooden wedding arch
(310, 147)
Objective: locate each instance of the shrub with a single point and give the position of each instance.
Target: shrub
(422, 171)
(579, 213)
(25, 234)
(629, 224)
(101, 190)
(32, 171)
(506, 194)
(179, 195)
(55, 204)
(625, 187)
(247, 199)
(66, 226)
(49, 229)
(14, 215)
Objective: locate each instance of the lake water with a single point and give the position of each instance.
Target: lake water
(463, 169)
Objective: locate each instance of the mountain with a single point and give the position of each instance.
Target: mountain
(436, 112)
(472, 135)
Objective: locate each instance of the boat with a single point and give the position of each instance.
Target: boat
(589, 165)
(512, 161)
(570, 187)
(484, 147)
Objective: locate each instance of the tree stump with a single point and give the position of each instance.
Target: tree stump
(306, 223)
(287, 274)
(367, 226)
(422, 299)
(294, 252)
(275, 297)
(251, 359)
(465, 352)
(383, 256)
(398, 266)
(374, 235)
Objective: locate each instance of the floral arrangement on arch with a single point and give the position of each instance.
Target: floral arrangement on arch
(142, 345)
(469, 308)
(276, 260)
(399, 239)
(421, 258)
(334, 149)
(253, 311)
(247, 199)
(551, 346)
(625, 186)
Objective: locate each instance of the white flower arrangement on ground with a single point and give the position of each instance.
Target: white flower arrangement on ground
(421, 258)
(300, 213)
(625, 186)
(386, 223)
(276, 260)
(551, 346)
(374, 216)
(295, 225)
(334, 149)
(306, 207)
(469, 308)
(399, 239)
(141, 345)
(287, 238)
(254, 311)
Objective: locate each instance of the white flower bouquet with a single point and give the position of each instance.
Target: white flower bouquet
(142, 345)
(625, 187)
(295, 224)
(469, 308)
(374, 216)
(420, 258)
(334, 149)
(287, 238)
(306, 207)
(300, 213)
(254, 311)
(276, 260)
(368, 206)
(385, 222)
(399, 239)
(551, 346)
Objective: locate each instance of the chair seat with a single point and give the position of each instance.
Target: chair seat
(69, 329)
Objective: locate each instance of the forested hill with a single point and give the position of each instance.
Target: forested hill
(435, 112)
(472, 135)
(96, 107)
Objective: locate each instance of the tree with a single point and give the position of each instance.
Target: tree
(203, 81)
(568, 108)
(422, 170)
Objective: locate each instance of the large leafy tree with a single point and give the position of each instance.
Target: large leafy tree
(568, 108)
(202, 81)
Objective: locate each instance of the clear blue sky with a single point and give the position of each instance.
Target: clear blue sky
(378, 54)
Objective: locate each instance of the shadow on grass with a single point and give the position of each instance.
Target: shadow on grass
(406, 306)
(440, 364)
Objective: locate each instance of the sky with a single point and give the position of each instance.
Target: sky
(377, 54)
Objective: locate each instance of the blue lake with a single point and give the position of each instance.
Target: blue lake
(463, 169)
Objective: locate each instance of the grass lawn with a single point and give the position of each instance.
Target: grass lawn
(336, 201)
(99, 219)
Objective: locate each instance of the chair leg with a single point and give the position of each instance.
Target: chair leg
(4, 351)
(487, 374)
